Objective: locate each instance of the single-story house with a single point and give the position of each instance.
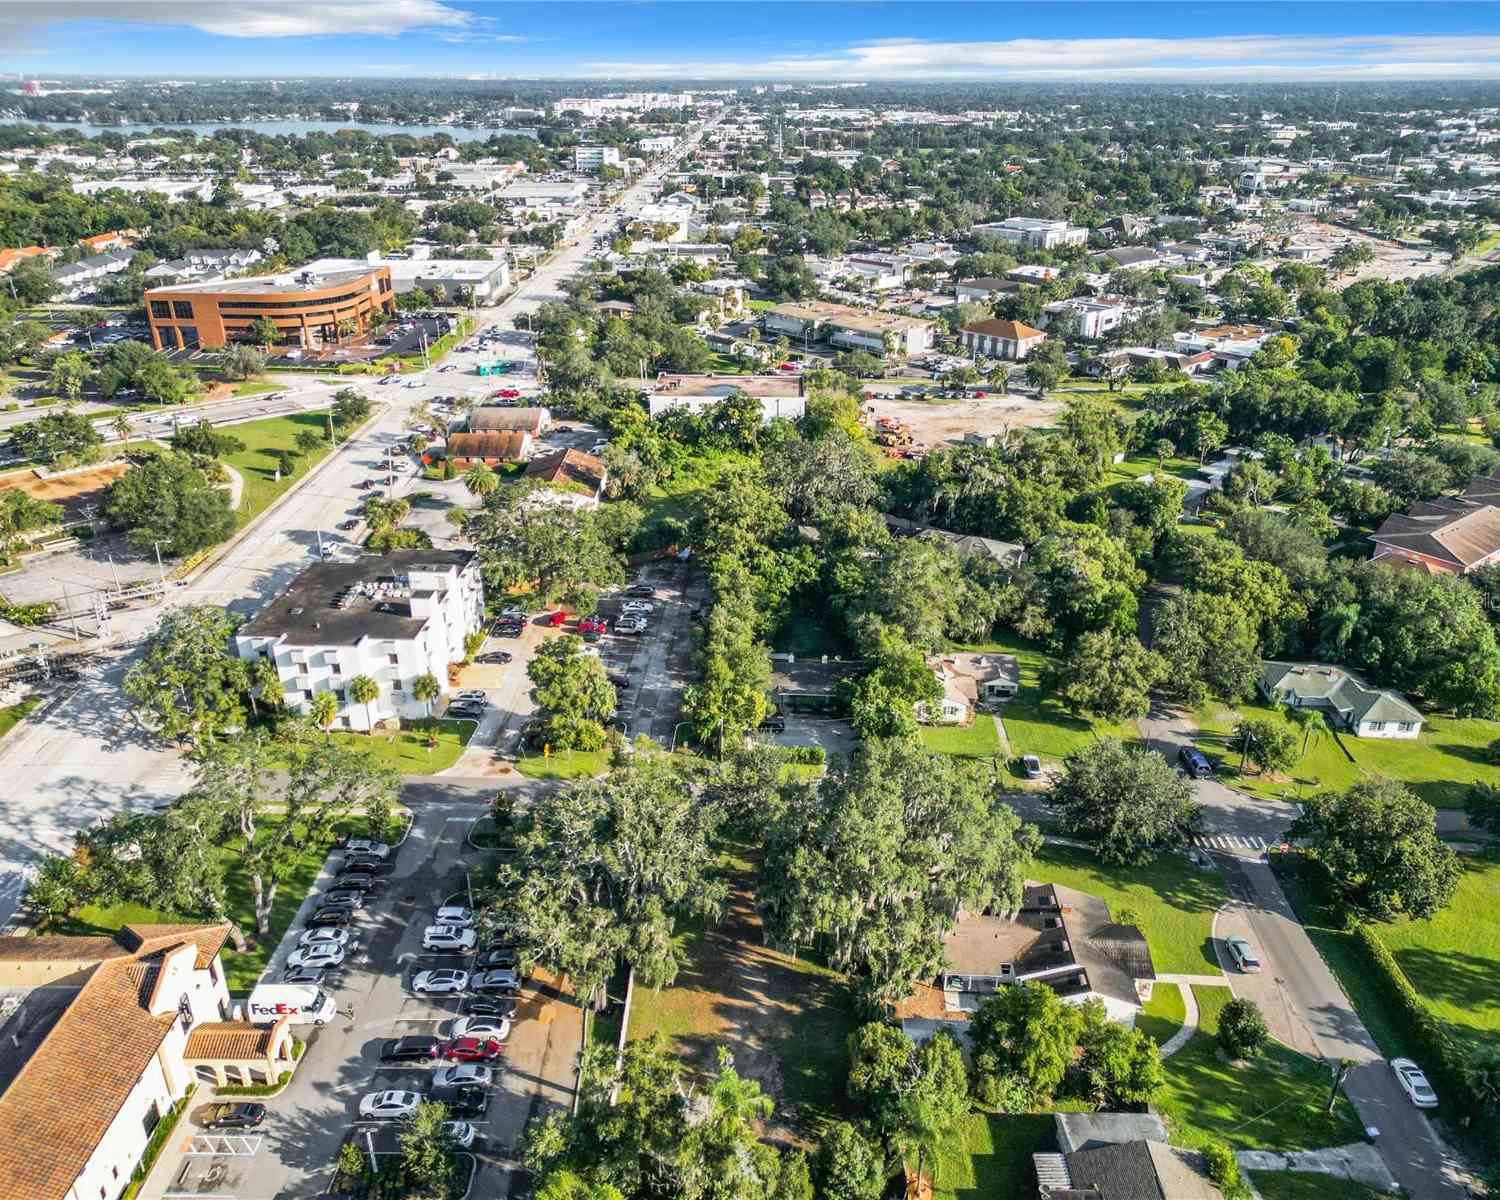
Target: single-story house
(1351, 702)
(971, 683)
(810, 684)
(488, 418)
(1059, 937)
(1450, 535)
(578, 477)
(489, 448)
(1001, 339)
(1119, 1156)
(1008, 554)
(984, 289)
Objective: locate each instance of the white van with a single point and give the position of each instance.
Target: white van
(303, 1003)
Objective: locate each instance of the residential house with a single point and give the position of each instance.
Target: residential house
(972, 684)
(393, 618)
(984, 289)
(104, 1035)
(1085, 318)
(78, 278)
(1119, 1156)
(1351, 703)
(1033, 232)
(1007, 554)
(10, 258)
(1001, 338)
(1450, 535)
(115, 239)
(1134, 258)
(489, 448)
(853, 328)
(203, 265)
(1063, 939)
(576, 478)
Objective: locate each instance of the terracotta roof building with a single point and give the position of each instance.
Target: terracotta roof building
(575, 474)
(488, 418)
(489, 447)
(1450, 535)
(1001, 339)
(95, 1056)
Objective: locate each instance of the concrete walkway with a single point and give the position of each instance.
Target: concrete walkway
(1189, 1018)
(1200, 980)
(1357, 1161)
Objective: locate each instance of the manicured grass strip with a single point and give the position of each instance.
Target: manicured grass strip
(257, 461)
(1273, 1103)
(16, 713)
(1163, 1014)
(1172, 903)
(1308, 1185)
(977, 739)
(990, 1157)
(407, 751)
(1439, 766)
(564, 764)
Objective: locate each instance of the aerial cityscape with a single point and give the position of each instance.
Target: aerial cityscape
(722, 601)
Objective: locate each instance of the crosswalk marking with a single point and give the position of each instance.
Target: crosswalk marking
(1229, 841)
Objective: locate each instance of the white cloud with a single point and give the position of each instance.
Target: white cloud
(1113, 58)
(245, 18)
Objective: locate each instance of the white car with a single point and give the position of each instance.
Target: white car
(463, 1073)
(473, 694)
(454, 914)
(1244, 957)
(598, 447)
(322, 955)
(448, 937)
(1414, 1083)
(389, 1106)
(366, 846)
(440, 983)
(460, 1133)
(324, 937)
(630, 625)
(638, 607)
(481, 1027)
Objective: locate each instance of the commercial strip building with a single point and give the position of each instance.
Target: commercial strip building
(455, 280)
(853, 328)
(101, 1037)
(392, 619)
(779, 395)
(1033, 232)
(591, 158)
(308, 309)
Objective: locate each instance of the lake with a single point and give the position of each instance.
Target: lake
(298, 128)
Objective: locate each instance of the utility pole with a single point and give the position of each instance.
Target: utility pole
(1340, 1071)
(161, 573)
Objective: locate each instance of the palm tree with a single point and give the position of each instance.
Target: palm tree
(922, 1130)
(427, 689)
(364, 690)
(122, 427)
(1308, 720)
(324, 710)
(265, 679)
(480, 481)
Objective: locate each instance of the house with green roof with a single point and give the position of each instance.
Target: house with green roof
(1350, 702)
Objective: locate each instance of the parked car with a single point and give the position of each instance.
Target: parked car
(495, 658)
(1195, 763)
(316, 956)
(642, 608)
(556, 619)
(464, 1075)
(448, 937)
(370, 885)
(473, 695)
(418, 1048)
(350, 898)
(325, 937)
(466, 1101)
(483, 1027)
(775, 723)
(498, 980)
(496, 956)
(351, 523)
(631, 625)
(313, 975)
(460, 1133)
(463, 712)
(504, 630)
(330, 917)
(1414, 1083)
(501, 1008)
(454, 914)
(643, 591)
(473, 1049)
(367, 863)
(441, 982)
(230, 1116)
(1031, 766)
(368, 848)
(389, 1105)
(1242, 954)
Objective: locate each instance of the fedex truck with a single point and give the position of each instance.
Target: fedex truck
(303, 1003)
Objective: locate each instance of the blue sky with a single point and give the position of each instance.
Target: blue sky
(788, 40)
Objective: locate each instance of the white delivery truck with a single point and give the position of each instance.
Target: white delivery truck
(303, 1003)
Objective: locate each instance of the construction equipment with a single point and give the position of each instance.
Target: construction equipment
(891, 432)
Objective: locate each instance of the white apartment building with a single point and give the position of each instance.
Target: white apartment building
(447, 277)
(1084, 317)
(591, 158)
(107, 1035)
(392, 619)
(657, 145)
(1034, 232)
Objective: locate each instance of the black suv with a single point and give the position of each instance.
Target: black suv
(466, 1100)
(775, 723)
(410, 1049)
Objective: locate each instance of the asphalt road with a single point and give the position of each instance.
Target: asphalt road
(84, 757)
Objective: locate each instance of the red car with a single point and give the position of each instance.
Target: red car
(507, 393)
(557, 619)
(591, 625)
(474, 1049)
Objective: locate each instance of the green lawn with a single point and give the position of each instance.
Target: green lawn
(1438, 766)
(1171, 902)
(1307, 1185)
(989, 1158)
(977, 739)
(1273, 1103)
(12, 716)
(241, 970)
(407, 751)
(564, 764)
(1163, 1014)
(256, 387)
(257, 462)
(1034, 722)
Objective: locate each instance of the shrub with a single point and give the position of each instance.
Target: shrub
(1242, 1029)
(810, 755)
(1223, 1169)
(258, 1089)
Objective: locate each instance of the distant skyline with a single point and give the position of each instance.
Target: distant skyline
(712, 40)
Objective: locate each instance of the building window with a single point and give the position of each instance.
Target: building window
(150, 1118)
(1377, 726)
(307, 694)
(160, 308)
(1406, 726)
(395, 660)
(182, 309)
(301, 668)
(337, 670)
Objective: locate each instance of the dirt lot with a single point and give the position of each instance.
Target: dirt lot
(76, 491)
(1391, 261)
(944, 422)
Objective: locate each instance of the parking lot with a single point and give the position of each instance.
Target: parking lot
(293, 1152)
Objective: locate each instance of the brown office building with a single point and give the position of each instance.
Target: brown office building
(307, 309)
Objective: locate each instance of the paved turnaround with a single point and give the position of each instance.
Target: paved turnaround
(83, 757)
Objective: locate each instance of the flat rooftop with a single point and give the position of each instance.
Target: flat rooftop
(784, 386)
(300, 280)
(343, 603)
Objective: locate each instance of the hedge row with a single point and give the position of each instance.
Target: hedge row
(1444, 1059)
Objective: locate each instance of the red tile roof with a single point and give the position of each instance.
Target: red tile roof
(1013, 331)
